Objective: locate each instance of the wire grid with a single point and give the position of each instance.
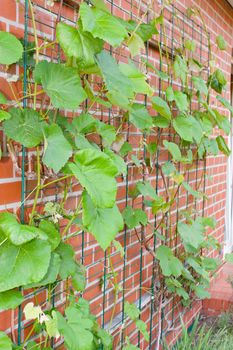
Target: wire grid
(137, 269)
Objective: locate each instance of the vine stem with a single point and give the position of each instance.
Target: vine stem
(66, 229)
(38, 185)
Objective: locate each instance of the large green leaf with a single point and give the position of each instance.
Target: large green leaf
(24, 126)
(5, 342)
(107, 133)
(77, 43)
(139, 116)
(170, 265)
(183, 127)
(135, 44)
(11, 49)
(102, 24)
(62, 84)
(161, 106)
(117, 160)
(119, 86)
(57, 149)
(138, 79)
(18, 233)
(24, 264)
(103, 223)
(10, 299)
(96, 171)
(134, 217)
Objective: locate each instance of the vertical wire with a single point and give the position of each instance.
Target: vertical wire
(204, 167)
(23, 185)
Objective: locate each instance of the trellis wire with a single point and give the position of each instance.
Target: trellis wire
(106, 291)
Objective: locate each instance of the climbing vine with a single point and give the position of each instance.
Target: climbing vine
(94, 153)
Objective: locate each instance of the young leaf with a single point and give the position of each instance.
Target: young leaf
(79, 278)
(120, 87)
(103, 223)
(168, 168)
(170, 265)
(217, 81)
(201, 292)
(4, 115)
(190, 45)
(146, 189)
(135, 44)
(25, 264)
(183, 127)
(117, 160)
(125, 149)
(160, 74)
(107, 133)
(131, 311)
(102, 24)
(57, 149)
(161, 122)
(96, 172)
(192, 235)
(11, 49)
(142, 327)
(51, 232)
(221, 42)
(10, 299)
(5, 342)
(223, 146)
(174, 150)
(180, 68)
(200, 85)
(161, 106)
(189, 189)
(62, 84)
(79, 44)
(134, 217)
(139, 116)
(24, 126)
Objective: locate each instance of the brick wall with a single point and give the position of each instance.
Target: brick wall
(135, 269)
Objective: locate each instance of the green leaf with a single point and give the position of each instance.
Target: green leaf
(217, 81)
(162, 107)
(117, 160)
(102, 24)
(125, 149)
(51, 274)
(181, 101)
(51, 232)
(57, 149)
(134, 217)
(222, 145)
(139, 116)
(152, 148)
(189, 189)
(192, 235)
(135, 44)
(170, 265)
(119, 86)
(103, 223)
(119, 248)
(24, 126)
(183, 127)
(200, 85)
(168, 168)
(170, 94)
(146, 189)
(3, 99)
(5, 342)
(190, 45)
(160, 74)
(18, 233)
(201, 292)
(96, 171)
(225, 103)
(180, 68)
(137, 78)
(174, 150)
(11, 49)
(211, 146)
(4, 115)
(10, 299)
(131, 311)
(51, 326)
(221, 42)
(62, 84)
(79, 44)
(106, 338)
(68, 264)
(24, 264)
(222, 121)
(142, 327)
(107, 133)
(229, 257)
(84, 123)
(161, 122)
(79, 278)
